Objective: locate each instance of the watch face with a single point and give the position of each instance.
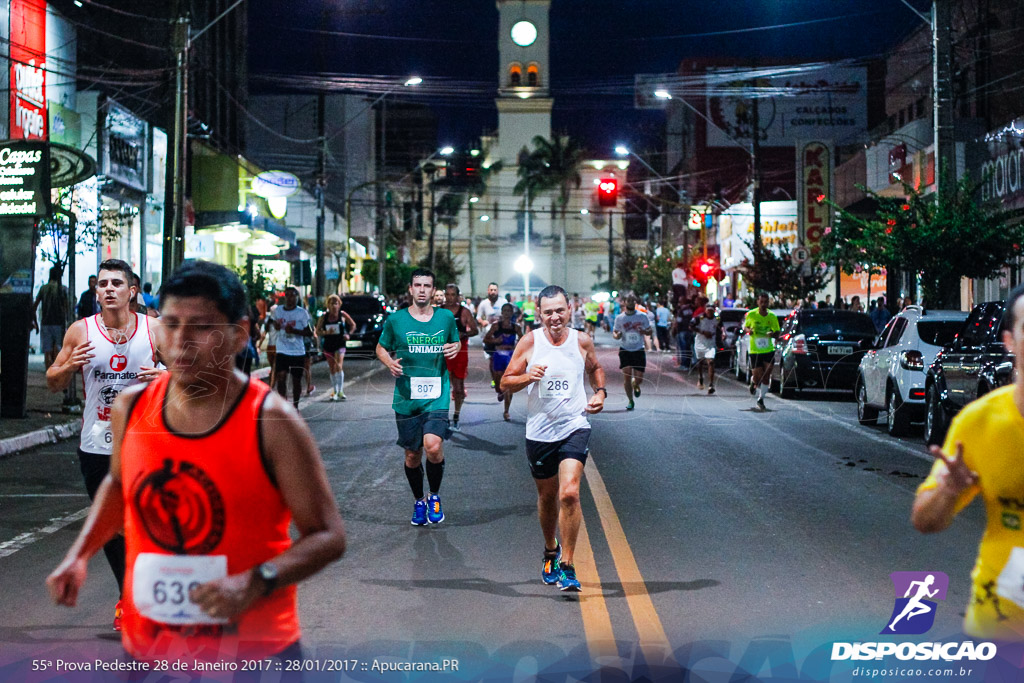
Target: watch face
(524, 33)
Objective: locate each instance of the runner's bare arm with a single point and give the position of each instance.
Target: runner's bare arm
(320, 324)
(516, 378)
(472, 329)
(595, 372)
(934, 509)
(147, 373)
(294, 458)
(350, 322)
(392, 364)
(76, 352)
(106, 516)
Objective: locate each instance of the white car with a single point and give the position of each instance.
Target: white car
(741, 364)
(891, 377)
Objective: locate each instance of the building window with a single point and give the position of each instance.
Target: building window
(515, 76)
(533, 75)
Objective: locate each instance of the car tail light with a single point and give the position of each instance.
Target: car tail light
(917, 393)
(912, 360)
(799, 344)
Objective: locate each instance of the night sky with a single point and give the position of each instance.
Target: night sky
(596, 44)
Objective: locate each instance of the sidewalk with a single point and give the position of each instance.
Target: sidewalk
(45, 422)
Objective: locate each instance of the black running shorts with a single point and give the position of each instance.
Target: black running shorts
(633, 359)
(411, 428)
(546, 456)
(761, 360)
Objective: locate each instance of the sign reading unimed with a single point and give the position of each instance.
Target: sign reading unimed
(24, 178)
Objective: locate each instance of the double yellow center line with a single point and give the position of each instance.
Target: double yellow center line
(597, 623)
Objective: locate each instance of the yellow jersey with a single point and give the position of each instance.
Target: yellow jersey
(992, 432)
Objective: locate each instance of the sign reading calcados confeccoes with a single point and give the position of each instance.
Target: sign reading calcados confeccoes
(24, 178)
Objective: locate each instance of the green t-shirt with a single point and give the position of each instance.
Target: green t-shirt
(529, 311)
(418, 346)
(763, 326)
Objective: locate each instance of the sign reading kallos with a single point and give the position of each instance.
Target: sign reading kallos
(24, 178)
(815, 178)
(28, 69)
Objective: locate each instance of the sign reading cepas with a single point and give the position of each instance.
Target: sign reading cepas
(24, 178)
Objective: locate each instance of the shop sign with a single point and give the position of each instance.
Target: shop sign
(199, 246)
(999, 169)
(815, 177)
(28, 69)
(275, 184)
(826, 103)
(124, 156)
(24, 178)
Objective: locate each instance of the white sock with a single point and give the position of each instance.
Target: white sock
(334, 382)
(761, 391)
(340, 381)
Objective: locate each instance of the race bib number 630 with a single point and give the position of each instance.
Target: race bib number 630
(161, 584)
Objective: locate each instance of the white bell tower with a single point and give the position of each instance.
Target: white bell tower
(524, 104)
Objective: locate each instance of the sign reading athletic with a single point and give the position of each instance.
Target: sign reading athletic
(825, 103)
(24, 178)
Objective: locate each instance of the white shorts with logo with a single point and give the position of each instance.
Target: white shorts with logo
(703, 348)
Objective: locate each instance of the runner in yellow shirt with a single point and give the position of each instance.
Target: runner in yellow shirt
(982, 455)
(763, 326)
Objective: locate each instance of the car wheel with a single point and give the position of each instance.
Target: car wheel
(897, 416)
(935, 424)
(866, 414)
(789, 386)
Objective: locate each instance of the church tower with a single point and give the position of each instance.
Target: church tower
(524, 102)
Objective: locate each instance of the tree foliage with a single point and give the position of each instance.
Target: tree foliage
(644, 274)
(942, 240)
(775, 274)
(445, 270)
(396, 274)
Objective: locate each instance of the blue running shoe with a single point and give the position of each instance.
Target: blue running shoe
(435, 515)
(419, 513)
(567, 581)
(550, 571)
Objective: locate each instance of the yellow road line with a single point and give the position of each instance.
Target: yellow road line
(597, 623)
(653, 641)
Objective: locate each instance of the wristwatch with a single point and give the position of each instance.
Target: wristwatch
(602, 389)
(267, 573)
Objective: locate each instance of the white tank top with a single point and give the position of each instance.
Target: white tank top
(113, 368)
(556, 405)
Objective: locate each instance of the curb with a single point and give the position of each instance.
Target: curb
(40, 437)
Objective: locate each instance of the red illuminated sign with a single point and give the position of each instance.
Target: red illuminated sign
(28, 69)
(816, 172)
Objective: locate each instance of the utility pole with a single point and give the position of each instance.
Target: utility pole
(942, 91)
(382, 209)
(611, 253)
(755, 162)
(174, 203)
(321, 186)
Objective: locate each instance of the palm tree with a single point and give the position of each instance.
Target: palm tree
(553, 164)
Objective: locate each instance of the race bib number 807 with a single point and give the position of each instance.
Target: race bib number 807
(422, 388)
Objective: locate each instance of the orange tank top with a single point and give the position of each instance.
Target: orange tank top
(200, 500)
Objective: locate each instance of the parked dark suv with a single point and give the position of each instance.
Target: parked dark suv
(973, 365)
(821, 349)
(369, 313)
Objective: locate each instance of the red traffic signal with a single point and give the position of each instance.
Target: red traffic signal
(608, 192)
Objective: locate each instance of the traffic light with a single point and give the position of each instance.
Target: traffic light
(705, 269)
(608, 192)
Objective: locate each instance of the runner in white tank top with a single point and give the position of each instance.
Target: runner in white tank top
(115, 366)
(550, 363)
(113, 350)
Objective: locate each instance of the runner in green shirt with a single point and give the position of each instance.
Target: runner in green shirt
(763, 326)
(421, 337)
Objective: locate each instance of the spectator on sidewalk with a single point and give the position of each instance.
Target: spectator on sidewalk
(662, 320)
(880, 315)
(87, 304)
(680, 280)
(147, 296)
(54, 299)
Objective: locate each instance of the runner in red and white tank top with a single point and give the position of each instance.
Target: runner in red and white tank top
(114, 349)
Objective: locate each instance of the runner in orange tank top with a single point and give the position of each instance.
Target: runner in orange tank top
(208, 471)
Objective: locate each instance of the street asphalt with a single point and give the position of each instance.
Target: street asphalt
(717, 539)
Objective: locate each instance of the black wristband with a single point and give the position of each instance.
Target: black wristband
(601, 389)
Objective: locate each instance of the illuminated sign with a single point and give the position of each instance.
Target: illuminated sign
(275, 184)
(28, 69)
(815, 180)
(24, 178)
(124, 150)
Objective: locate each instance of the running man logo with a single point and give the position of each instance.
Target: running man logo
(421, 342)
(916, 594)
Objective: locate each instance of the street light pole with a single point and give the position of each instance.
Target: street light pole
(174, 214)
(321, 185)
